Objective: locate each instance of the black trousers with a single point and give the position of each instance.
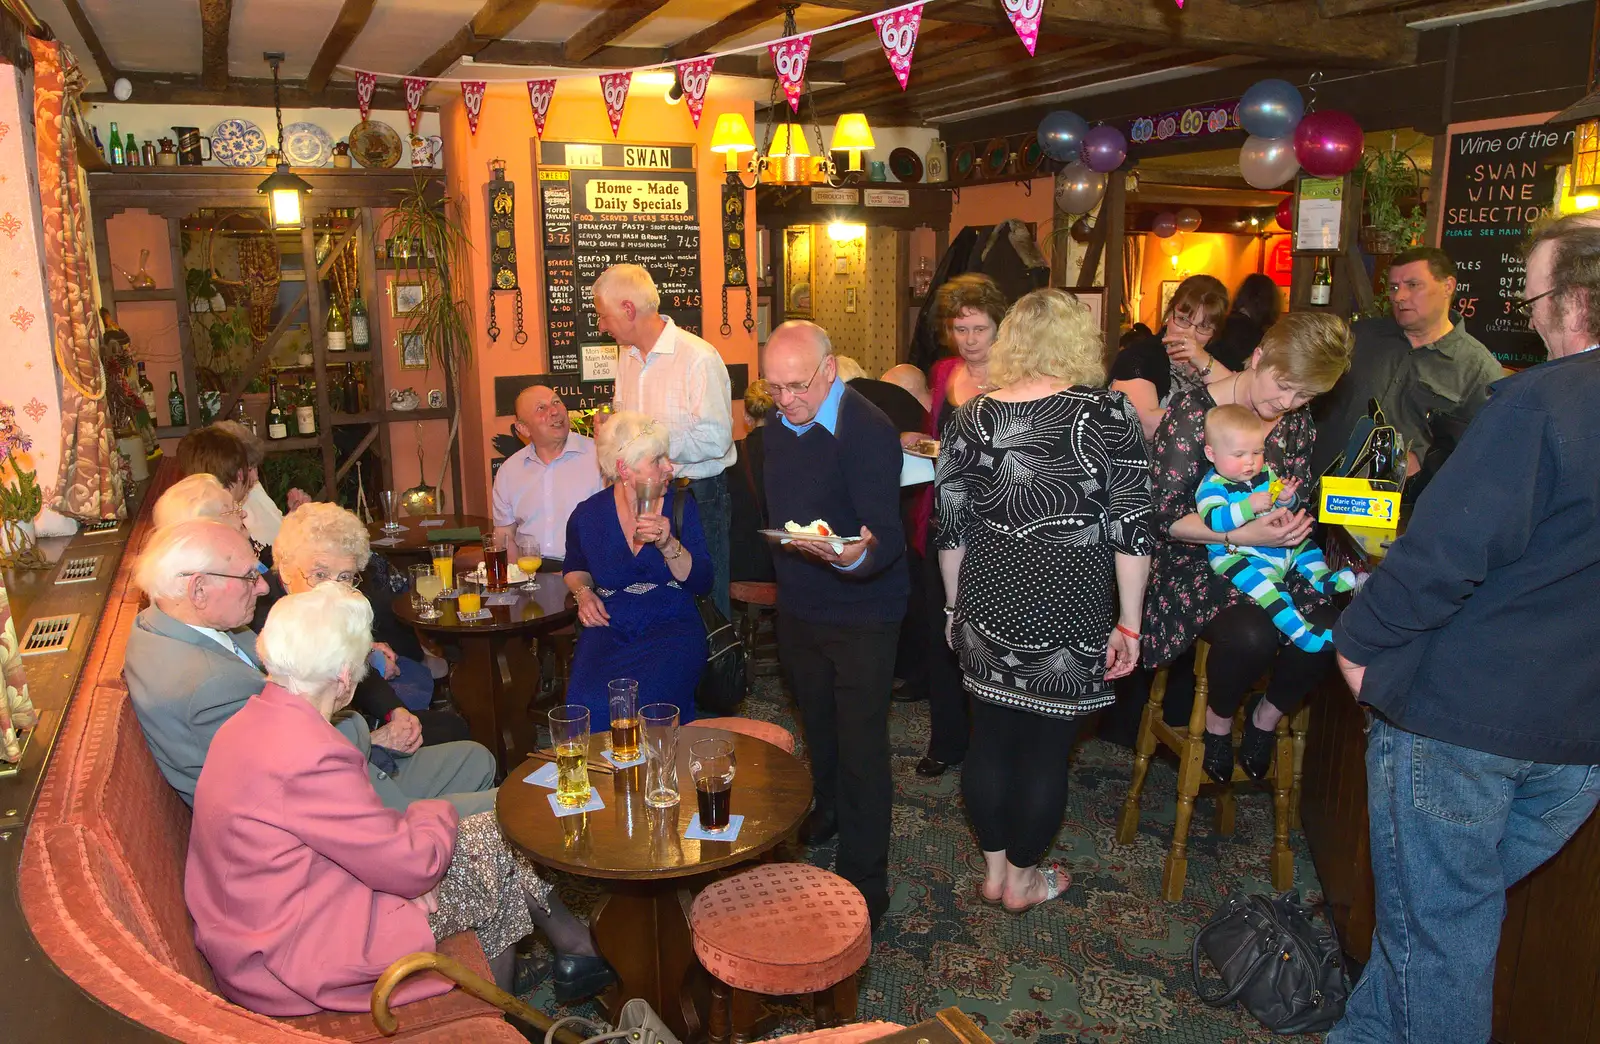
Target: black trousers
(1245, 644)
(1015, 780)
(948, 722)
(841, 675)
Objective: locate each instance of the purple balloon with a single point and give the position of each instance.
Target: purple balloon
(1104, 149)
(1328, 144)
(1164, 224)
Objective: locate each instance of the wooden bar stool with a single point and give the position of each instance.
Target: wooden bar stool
(780, 930)
(1189, 746)
(754, 608)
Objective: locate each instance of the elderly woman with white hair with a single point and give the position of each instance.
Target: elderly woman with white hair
(199, 495)
(303, 885)
(635, 574)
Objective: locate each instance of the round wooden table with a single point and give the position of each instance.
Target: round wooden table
(642, 923)
(414, 539)
(498, 674)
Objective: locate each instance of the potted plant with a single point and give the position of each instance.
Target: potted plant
(1392, 187)
(20, 497)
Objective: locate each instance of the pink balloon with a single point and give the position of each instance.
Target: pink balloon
(1285, 215)
(1328, 144)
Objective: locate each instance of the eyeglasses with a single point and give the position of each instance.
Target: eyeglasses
(316, 578)
(249, 578)
(1524, 307)
(795, 390)
(1183, 322)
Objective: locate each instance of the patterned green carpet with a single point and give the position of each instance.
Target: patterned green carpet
(1106, 963)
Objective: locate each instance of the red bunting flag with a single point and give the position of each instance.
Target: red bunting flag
(1024, 15)
(789, 60)
(540, 92)
(614, 88)
(694, 77)
(414, 89)
(897, 32)
(365, 84)
(472, 94)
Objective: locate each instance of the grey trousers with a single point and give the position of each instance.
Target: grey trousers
(461, 773)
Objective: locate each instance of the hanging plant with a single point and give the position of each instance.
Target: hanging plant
(1392, 187)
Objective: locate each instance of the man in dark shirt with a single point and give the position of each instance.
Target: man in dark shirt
(833, 456)
(1429, 375)
(1474, 648)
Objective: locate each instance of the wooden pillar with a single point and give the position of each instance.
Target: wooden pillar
(1114, 218)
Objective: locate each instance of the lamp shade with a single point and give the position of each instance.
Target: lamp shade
(851, 134)
(732, 134)
(1585, 175)
(789, 139)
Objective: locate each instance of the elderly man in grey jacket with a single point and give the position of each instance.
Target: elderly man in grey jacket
(191, 663)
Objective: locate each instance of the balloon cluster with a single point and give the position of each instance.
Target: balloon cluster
(1090, 153)
(1168, 224)
(1284, 138)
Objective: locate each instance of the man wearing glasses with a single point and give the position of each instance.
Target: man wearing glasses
(1430, 376)
(835, 457)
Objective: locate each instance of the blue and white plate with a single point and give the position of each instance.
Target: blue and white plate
(238, 143)
(307, 145)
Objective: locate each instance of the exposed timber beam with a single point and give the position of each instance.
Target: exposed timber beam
(738, 23)
(609, 24)
(553, 55)
(352, 19)
(494, 20)
(941, 103)
(176, 89)
(91, 40)
(216, 19)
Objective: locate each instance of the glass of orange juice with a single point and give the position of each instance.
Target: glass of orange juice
(470, 600)
(529, 557)
(444, 563)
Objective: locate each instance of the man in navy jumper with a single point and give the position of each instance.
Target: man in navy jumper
(1474, 647)
(834, 456)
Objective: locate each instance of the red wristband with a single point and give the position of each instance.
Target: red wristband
(1131, 634)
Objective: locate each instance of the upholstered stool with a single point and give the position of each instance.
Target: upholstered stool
(1189, 745)
(754, 614)
(776, 735)
(780, 930)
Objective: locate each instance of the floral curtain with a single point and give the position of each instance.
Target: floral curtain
(91, 484)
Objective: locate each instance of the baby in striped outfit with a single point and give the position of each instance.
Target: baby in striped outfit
(1240, 487)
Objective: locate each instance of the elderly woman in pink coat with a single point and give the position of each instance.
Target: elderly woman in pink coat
(302, 885)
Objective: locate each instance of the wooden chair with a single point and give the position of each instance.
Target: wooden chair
(1189, 746)
(754, 608)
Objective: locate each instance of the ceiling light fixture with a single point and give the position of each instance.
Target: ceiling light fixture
(282, 187)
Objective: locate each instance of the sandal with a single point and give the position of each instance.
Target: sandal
(997, 900)
(1056, 881)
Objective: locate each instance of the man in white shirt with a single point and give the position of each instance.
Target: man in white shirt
(539, 485)
(670, 374)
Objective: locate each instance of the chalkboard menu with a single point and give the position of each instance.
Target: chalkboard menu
(1496, 186)
(608, 204)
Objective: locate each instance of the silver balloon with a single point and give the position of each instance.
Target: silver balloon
(1061, 135)
(1188, 219)
(1078, 189)
(1271, 108)
(1267, 163)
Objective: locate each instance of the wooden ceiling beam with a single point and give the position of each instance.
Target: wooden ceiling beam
(91, 40)
(844, 39)
(609, 24)
(175, 89)
(736, 24)
(934, 49)
(1411, 10)
(493, 21)
(346, 27)
(545, 54)
(942, 102)
(216, 19)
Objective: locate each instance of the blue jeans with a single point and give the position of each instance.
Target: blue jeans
(1452, 829)
(716, 516)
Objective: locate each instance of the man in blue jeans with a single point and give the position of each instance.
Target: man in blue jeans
(1475, 650)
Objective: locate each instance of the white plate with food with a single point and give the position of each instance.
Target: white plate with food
(818, 532)
(928, 449)
(514, 575)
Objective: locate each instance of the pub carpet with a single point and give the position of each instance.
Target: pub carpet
(1105, 963)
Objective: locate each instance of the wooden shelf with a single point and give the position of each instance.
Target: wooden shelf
(177, 431)
(145, 295)
(421, 413)
(344, 419)
(389, 265)
(294, 442)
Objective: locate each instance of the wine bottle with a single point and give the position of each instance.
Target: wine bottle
(242, 416)
(337, 341)
(175, 407)
(305, 410)
(277, 423)
(351, 392)
(147, 392)
(1322, 283)
(116, 155)
(360, 325)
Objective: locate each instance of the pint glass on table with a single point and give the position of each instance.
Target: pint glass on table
(569, 735)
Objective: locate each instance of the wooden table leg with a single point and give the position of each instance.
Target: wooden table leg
(644, 933)
(492, 684)
(473, 685)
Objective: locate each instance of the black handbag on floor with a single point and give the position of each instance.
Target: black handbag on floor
(1288, 972)
(724, 684)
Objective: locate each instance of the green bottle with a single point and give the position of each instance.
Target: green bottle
(175, 407)
(115, 156)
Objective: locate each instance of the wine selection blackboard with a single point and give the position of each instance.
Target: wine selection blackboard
(608, 204)
(1497, 185)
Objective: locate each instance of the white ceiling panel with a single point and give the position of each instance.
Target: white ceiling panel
(295, 27)
(806, 19)
(678, 20)
(148, 35)
(401, 33)
(556, 20)
(54, 14)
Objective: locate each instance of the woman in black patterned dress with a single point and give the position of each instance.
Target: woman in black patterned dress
(1044, 537)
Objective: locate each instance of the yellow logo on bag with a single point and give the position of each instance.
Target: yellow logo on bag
(1354, 501)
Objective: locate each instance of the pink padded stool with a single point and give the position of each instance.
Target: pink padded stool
(780, 930)
(776, 735)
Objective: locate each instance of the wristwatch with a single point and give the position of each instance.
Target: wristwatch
(669, 555)
(1210, 365)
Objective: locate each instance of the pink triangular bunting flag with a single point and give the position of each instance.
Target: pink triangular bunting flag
(472, 94)
(694, 77)
(1024, 15)
(414, 89)
(614, 88)
(789, 61)
(540, 92)
(366, 83)
(897, 32)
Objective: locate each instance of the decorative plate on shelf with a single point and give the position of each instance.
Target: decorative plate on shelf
(906, 165)
(996, 155)
(375, 144)
(1030, 155)
(964, 164)
(238, 143)
(307, 145)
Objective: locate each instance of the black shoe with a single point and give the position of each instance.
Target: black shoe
(1255, 749)
(931, 767)
(818, 827)
(877, 907)
(1218, 760)
(530, 972)
(577, 978)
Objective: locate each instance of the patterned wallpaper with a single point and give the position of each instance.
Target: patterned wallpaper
(871, 268)
(30, 376)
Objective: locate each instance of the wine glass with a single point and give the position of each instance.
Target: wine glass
(529, 558)
(428, 586)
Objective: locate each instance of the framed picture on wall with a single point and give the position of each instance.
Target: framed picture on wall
(413, 351)
(1168, 288)
(1094, 298)
(404, 298)
(763, 320)
(797, 272)
(849, 299)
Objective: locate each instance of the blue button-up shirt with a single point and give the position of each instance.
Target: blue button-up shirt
(538, 498)
(827, 413)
